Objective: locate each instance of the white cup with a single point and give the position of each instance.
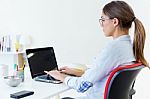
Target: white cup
(3, 70)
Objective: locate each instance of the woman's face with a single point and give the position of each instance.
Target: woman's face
(107, 25)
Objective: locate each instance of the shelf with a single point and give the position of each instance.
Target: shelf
(10, 53)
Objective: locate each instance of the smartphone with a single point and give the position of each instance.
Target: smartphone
(21, 94)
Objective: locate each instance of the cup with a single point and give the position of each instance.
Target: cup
(20, 74)
(3, 70)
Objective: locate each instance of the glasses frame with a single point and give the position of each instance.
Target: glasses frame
(101, 20)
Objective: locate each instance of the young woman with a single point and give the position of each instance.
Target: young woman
(116, 20)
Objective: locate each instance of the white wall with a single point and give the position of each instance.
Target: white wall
(70, 26)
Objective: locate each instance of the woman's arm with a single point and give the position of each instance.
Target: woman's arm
(62, 73)
(72, 71)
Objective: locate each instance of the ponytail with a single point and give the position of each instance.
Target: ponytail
(139, 41)
(126, 16)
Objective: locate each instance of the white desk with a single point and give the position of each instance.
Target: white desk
(41, 90)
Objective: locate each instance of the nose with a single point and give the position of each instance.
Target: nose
(101, 24)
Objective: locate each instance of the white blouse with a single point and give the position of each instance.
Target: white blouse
(116, 53)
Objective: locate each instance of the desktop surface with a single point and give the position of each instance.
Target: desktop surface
(41, 90)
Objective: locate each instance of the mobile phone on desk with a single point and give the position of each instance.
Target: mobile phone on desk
(21, 94)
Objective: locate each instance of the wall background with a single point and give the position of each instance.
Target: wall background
(71, 27)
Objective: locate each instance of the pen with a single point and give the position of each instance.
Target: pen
(23, 67)
(15, 66)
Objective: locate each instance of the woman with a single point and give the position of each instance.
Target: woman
(116, 20)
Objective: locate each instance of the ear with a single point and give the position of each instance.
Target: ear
(115, 22)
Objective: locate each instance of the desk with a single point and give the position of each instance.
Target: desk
(41, 90)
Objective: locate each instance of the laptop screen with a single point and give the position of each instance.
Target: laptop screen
(40, 59)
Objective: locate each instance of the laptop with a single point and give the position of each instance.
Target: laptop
(39, 60)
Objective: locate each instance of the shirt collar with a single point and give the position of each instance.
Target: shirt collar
(123, 38)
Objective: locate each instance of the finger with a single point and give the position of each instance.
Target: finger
(62, 68)
(63, 71)
(46, 72)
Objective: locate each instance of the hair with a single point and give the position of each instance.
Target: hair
(124, 13)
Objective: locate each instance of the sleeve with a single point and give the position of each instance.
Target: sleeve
(102, 66)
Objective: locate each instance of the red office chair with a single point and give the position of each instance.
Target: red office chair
(121, 82)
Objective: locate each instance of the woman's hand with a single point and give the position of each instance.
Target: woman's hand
(71, 71)
(57, 75)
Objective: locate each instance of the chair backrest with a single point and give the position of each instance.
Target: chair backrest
(121, 81)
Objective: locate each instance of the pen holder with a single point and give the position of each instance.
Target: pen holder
(20, 74)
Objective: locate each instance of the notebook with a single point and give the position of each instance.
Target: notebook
(39, 60)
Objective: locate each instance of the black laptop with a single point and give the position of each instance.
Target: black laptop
(40, 60)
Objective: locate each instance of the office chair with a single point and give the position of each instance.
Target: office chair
(121, 82)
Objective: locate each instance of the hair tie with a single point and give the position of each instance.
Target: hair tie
(133, 19)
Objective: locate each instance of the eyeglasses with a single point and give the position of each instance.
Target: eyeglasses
(101, 20)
